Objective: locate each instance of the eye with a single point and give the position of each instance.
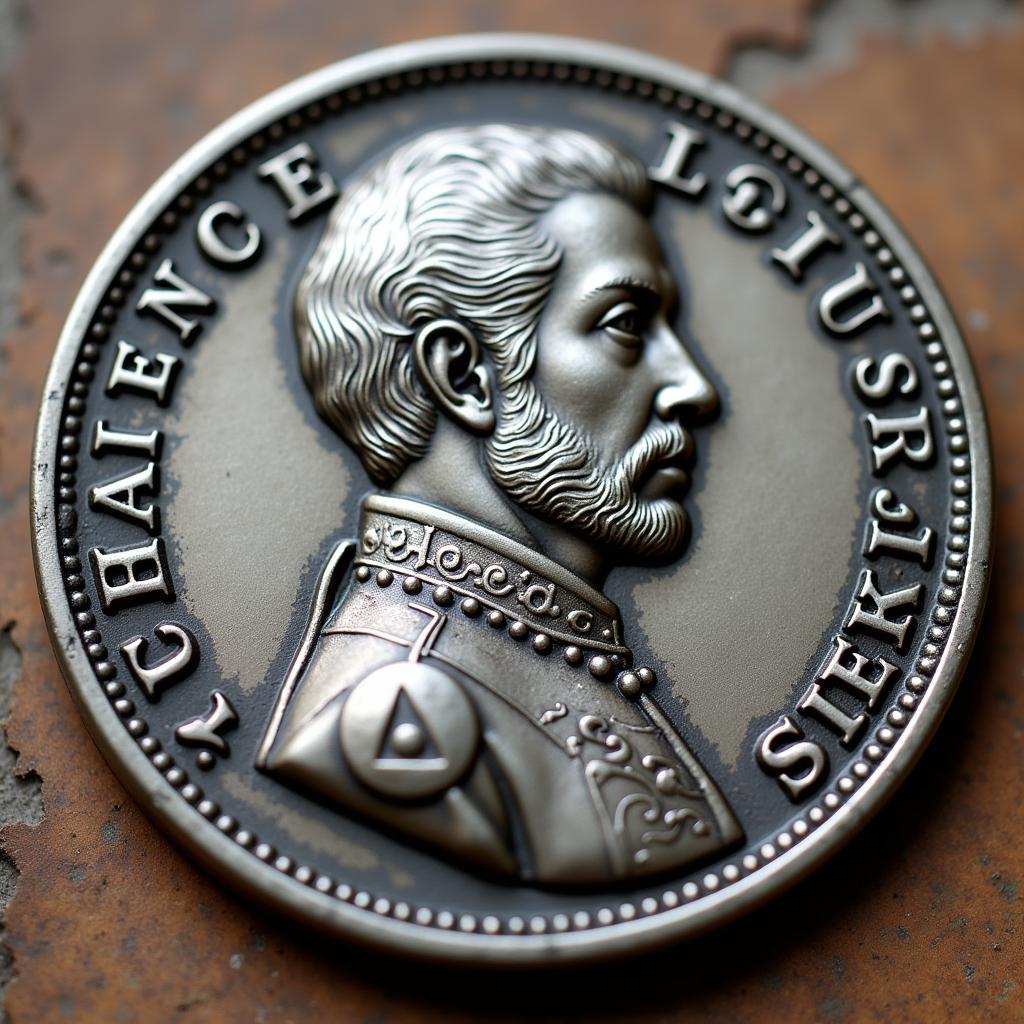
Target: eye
(624, 324)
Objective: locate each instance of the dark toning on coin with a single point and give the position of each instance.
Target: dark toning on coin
(509, 498)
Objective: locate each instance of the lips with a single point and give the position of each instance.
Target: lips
(670, 478)
(665, 480)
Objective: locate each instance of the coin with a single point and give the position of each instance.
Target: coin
(507, 499)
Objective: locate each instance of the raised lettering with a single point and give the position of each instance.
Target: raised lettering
(212, 244)
(294, 174)
(163, 302)
(744, 205)
(798, 765)
(854, 676)
(683, 140)
(205, 730)
(876, 380)
(134, 372)
(817, 704)
(871, 608)
(172, 669)
(132, 575)
(816, 237)
(843, 294)
(398, 545)
(105, 440)
(107, 497)
(899, 428)
(903, 545)
(887, 506)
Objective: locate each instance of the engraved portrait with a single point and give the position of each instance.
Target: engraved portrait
(489, 322)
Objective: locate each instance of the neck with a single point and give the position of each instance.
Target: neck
(453, 475)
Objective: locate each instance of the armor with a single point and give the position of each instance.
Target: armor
(461, 689)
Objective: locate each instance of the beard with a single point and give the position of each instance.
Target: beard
(554, 471)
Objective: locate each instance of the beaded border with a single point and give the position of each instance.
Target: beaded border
(873, 753)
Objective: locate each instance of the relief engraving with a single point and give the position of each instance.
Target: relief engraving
(488, 322)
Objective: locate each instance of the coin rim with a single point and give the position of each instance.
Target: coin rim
(238, 867)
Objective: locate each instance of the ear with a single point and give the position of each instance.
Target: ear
(449, 363)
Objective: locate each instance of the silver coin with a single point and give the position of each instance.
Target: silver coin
(504, 498)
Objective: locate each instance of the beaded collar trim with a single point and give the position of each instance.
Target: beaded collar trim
(434, 547)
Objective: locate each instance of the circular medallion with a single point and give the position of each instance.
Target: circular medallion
(408, 731)
(507, 497)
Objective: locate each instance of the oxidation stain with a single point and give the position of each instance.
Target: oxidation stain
(298, 482)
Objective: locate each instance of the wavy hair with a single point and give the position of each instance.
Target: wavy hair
(446, 226)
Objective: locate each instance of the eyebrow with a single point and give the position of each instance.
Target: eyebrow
(628, 284)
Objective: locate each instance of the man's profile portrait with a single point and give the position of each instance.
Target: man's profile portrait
(487, 323)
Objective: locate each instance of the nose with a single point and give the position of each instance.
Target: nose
(684, 390)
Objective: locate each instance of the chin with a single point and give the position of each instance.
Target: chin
(657, 532)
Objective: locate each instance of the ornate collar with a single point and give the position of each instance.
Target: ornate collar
(509, 584)
(440, 548)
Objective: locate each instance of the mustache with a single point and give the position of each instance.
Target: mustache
(663, 444)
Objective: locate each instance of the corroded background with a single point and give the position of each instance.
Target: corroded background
(920, 918)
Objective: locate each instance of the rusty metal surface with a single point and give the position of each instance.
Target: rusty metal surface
(918, 919)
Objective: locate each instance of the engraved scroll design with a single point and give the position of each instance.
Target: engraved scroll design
(448, 562)
(648, 814)
(398, 544)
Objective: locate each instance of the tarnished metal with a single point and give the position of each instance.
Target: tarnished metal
(510, 459)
